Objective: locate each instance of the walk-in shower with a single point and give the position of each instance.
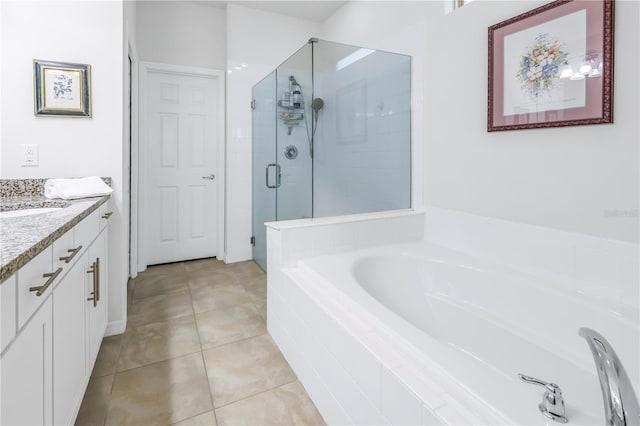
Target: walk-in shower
(331, 136)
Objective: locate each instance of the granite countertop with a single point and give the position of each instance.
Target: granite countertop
(25, 237)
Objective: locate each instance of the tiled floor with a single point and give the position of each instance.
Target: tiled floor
(196, 352)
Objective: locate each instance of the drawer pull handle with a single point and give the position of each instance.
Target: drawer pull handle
(94, 270)
(42, 288)
(73, 252)
(97, 276)
(107, 215)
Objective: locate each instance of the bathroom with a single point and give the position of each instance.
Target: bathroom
(515, 197)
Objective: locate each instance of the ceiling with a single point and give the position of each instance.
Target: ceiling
(316, 11)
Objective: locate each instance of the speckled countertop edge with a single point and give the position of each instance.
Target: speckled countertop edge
(25, 237)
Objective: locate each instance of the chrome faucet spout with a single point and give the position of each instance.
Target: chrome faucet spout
(620, 402)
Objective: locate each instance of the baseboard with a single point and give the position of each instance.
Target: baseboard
(115, 327)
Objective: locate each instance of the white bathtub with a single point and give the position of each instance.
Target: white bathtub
(457, 331)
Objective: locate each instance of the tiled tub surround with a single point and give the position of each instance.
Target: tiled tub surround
(24, 237)
(359, 370)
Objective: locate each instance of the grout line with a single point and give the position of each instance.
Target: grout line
(260, 393)
(204, 363)
(195, 415)
(113, 382)
(158, 362)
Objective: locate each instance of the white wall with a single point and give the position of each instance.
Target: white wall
(582, 179)
(83, 32)
(567, 178)
(181, 33)
(261, 41)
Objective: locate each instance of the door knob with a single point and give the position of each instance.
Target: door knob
(210, 177)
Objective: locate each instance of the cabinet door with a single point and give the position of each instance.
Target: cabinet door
(69, 364)
(27, 372)
(97, 294)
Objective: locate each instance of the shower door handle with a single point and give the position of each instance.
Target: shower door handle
(278, 176)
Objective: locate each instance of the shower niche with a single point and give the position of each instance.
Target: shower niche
(331, 136)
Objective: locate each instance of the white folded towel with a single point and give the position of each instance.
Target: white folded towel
(69, 189)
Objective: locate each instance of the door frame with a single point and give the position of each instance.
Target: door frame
(143, 167)
(133, 147)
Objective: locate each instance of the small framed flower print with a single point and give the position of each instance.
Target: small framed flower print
(62, 89)
(552, 67)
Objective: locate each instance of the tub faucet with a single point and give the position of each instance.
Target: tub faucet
(620, 403)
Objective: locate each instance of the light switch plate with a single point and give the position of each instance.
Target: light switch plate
(29, 155)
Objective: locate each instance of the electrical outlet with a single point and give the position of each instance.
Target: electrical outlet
(29, 155)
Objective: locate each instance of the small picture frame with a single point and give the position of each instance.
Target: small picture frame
(62, 89)
(552, 66)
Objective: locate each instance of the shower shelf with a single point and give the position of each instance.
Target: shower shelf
(290, 107)
(291, 118)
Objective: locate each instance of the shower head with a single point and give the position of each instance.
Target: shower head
(317, 104)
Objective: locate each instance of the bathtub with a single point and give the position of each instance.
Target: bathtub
(454, 331)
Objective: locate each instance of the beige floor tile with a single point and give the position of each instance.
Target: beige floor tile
(286, 405)
(204, 283)
(241, 369)
(248, 269)
(167, 268)
(222, 326)
(159, 284)
(95, 404)
(107, 359)
(158, 341)
(262, 308)
(204, 419)
(161, 393)
(218, 276)
(257, 286)
(211, 264)
(207, 298)
(160, 308)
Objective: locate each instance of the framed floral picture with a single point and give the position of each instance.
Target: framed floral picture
(62, 89)
(552, 67)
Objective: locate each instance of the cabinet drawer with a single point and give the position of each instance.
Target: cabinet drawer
(8, 313)
(65, 253)
(87, 230)
(34, 284)
(105, 213)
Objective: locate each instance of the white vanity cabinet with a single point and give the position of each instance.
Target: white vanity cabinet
(8, 312)
(96, 292)
(27, 393)
(49, 349)
(69, 343)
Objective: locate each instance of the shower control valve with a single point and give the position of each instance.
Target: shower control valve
(291, 152)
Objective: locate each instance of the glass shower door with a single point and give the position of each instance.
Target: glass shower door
(263, 164)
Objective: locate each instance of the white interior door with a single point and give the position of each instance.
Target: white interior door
(183, 120)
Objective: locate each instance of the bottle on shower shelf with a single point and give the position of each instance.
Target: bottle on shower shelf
(286, 99)
(296, 99)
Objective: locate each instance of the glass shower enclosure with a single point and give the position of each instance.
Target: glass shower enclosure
(331, 136)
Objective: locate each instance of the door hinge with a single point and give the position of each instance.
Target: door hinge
(253, 241)
(253, 104)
